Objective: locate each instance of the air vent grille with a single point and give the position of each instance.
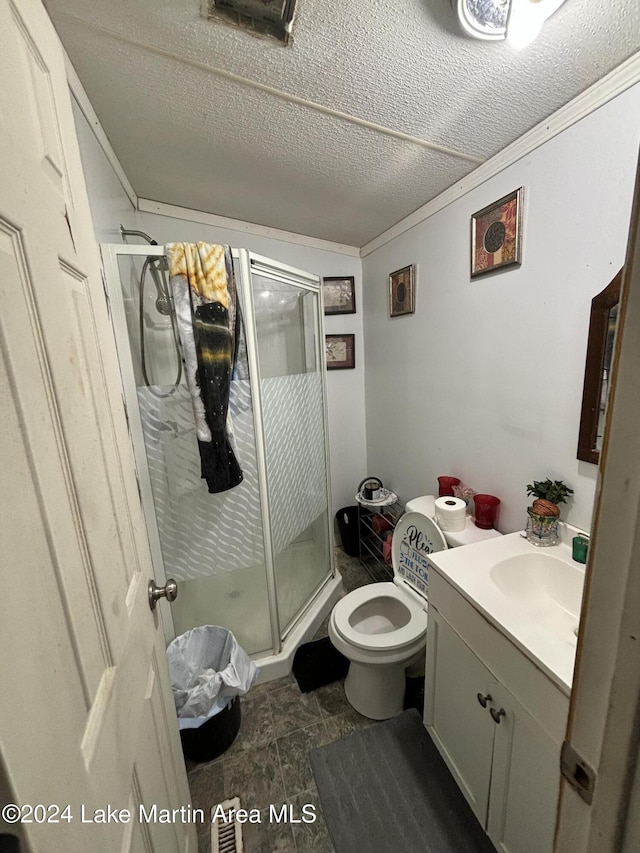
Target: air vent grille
(226, 835)
(263, 17)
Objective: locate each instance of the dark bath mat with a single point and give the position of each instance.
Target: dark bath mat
(386, 789)
(318, 663)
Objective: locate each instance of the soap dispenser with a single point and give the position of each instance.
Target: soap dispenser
(580, 548)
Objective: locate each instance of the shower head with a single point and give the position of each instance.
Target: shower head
(158, 267)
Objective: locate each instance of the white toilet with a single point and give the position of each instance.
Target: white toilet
(382, 627)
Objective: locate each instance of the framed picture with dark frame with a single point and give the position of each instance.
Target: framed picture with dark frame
(339, 295)
(401, 291)
(340, 351)
(496, 235)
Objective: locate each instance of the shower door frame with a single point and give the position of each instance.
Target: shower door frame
(115, 301)
(248, 262)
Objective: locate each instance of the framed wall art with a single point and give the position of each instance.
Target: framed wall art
(401, 291)
(340, 351)
(339, 295)
(496, 235)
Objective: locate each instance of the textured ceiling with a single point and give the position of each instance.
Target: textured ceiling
(207, 116)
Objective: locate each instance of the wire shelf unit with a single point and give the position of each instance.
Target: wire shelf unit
(375, 525)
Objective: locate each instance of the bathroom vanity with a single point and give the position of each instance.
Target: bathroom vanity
(500, 651)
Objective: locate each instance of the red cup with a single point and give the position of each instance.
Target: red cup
(486, 511)
(446, 485)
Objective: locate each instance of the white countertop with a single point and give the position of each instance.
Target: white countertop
(541, 628)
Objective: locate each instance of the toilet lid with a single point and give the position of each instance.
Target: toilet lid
(414, 538)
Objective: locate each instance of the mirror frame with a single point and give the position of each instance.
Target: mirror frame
(591, 391)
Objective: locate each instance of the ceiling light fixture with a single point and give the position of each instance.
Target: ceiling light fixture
(517, 21)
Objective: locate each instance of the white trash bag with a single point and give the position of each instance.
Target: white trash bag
(207, 668)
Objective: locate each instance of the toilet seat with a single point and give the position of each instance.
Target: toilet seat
(414, 537)
(413, 630)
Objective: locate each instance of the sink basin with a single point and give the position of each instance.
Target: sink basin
(548, 588)
(531, 595)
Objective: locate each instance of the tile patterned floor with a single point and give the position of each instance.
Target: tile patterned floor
(268, 764)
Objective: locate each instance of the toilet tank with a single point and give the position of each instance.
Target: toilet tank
(426, 505)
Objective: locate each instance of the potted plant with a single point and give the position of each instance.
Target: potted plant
(542, 527)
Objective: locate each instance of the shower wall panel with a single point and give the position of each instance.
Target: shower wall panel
(194, 541)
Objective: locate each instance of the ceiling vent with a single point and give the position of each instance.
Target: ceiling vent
(264, 17)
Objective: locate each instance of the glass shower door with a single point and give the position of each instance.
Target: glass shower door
(211, 544)
(255, 557)
(288, 335)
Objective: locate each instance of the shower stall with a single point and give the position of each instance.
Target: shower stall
(257, 559)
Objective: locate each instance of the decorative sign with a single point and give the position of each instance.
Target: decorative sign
(413, 565)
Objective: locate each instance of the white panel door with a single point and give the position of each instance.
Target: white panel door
(86, 715)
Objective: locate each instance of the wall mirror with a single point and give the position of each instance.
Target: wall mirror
(597, 370)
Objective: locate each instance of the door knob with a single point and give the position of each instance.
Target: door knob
(484, 699)
(497, 714)
(168, 591)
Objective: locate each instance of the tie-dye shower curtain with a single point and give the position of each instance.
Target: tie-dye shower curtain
(209, 320)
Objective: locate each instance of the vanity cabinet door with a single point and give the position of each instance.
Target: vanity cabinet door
(525, 781)
(458, 721)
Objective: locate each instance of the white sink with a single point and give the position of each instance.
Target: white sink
(544, 586)
(533, 596)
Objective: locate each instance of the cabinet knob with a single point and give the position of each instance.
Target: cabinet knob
(497, 714)
(484, 699)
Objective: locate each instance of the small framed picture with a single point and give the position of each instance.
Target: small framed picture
(340, 351)
(401, 291)
(339, 295)
(496, 235)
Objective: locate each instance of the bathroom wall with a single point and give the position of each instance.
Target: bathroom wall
(484, 381)
(345, 388)
(110, 206)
